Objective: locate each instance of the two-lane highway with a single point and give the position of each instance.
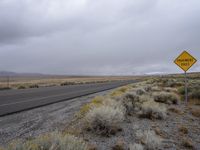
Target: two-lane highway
(12, 101)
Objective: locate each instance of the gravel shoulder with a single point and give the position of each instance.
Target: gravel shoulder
(34, 122)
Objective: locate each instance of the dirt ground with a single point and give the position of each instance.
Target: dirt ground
(168, 130)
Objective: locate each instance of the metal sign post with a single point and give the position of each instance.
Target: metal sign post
(186, 89)
(185, 61)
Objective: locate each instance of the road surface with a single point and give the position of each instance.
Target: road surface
(12, 101)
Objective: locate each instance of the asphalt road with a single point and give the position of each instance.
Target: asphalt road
(12, 101)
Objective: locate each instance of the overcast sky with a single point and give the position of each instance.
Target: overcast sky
(98, 37)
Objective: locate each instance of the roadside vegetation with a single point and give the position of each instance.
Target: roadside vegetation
(15, 82)
(147, 115)
(53, 141)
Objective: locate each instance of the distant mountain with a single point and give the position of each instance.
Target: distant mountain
(15, 74)
(9, 73)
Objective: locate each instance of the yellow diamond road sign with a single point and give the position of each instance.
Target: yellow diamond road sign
(185, 61)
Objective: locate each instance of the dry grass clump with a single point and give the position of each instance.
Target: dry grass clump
(53, 141)
(104, 120)
(175, 110)
(165, 97)
(194, 102)
(187, 143)
(92, 147)
(34, 86)
(196, 112)
(136, 146)
(120, 145)
(21, 87)
(120, 91)
(152, 110)
(96, 102)
(67, 83)
(159, 132)
(183, 129)
(149, 139)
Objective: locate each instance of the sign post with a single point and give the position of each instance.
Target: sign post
(185, 61)
(186, 88)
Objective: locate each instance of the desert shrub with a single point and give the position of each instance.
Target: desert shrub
(120, 145)
(165, 97)
(175, 110)
(149, 139)
(181, 90)
(156, 88)
(21, 87)
(169, 89)
(135, 146)
(140, 91)
(187, 143)
(169, 83)
(151, 81)
(190, 89)
(174, 84)
(195, 94)
(152, 110)
(34, 86)
(4, 88)
(147, 88)
(54, 141)
(144, 98)
(158, 131)
(130, 102)
(67, 83)
(104, 120)
(69, 142)
(183, 129)
(116, 103)
(131, 96)
(196, 112)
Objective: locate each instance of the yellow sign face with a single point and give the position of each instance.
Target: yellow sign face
(185, 61)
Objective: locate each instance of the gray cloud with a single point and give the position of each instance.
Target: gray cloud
(97, 37)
